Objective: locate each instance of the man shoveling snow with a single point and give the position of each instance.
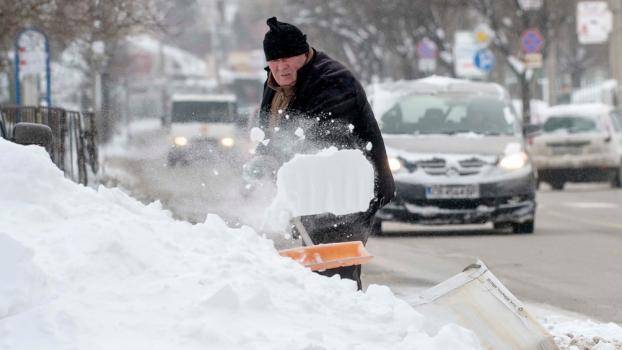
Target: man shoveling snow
(312, 102)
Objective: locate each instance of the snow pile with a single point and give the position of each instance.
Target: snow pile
(331, 181)
(99, 270)
(23, 283)
(583, 334)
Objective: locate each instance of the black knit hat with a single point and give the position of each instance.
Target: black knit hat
(283, 40)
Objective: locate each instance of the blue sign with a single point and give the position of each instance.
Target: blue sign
(531, 41)
(426, 48)
(485, 60)
(24, 39)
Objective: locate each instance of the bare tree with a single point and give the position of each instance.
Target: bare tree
(508, 21)
(379, 38)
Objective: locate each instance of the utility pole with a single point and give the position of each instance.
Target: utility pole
(615, 45)
(551, 70)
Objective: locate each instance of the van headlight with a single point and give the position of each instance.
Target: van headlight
(227, 142)
(395, 165)
(513, 161)
(181, 141)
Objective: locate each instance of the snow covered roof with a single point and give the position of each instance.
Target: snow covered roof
(177, 61)
(588, 109)
(203, 97)
(440, 84)
(384, 95)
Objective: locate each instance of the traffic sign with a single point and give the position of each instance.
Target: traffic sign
(32, 52)
(426, 48)
(530, 4)
(427, 64)
(531, 41)
(485, 60)
(32, 57)
(483, 35)
(464, 55)
(594, 22)
(533, 60)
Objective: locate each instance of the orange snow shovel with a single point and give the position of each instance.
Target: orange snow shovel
(326, 256)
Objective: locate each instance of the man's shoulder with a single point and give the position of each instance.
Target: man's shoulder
(326, 73)
(328, 66)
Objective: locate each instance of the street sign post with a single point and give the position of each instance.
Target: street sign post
(533, 60)
(465, 49)
(531, 41)
(483, 35)
(32, 57)
(484, 60)
(426, 53)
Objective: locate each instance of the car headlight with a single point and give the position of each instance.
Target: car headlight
(181, 141)
(227, 142)
(514, 161)
(395, 165)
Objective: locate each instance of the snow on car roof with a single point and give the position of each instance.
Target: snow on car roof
(588, 109)
(441, 84)
(204, 97)
(384, 95)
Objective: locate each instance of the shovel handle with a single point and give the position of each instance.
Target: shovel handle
(303, 231)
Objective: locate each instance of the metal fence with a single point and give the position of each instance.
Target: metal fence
(74, 146)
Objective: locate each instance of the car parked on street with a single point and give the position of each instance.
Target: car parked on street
(458, 156)
(579, 143)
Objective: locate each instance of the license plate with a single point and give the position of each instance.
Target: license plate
(566, 150)
(452, 191)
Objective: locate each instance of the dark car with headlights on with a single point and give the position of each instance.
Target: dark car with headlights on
(458, 156)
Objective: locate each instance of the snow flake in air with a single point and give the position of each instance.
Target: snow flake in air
(257, 135)
(300, 133)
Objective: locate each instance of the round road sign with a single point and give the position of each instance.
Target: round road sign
(531, 41)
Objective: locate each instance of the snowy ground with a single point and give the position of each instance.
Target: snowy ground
(83, 268)
(86, 269)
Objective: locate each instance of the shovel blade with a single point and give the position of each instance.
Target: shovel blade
(329, 256)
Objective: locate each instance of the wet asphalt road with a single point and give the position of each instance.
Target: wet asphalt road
(573, 260)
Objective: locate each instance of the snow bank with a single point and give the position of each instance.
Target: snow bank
(571, 333)
(107, 272)
(22, 282)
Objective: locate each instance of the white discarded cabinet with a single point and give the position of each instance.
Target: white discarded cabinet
(477, 300)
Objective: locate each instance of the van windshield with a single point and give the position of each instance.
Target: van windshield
(450, 114)
(200, 111)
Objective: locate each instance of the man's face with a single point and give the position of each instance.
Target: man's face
(285, 70)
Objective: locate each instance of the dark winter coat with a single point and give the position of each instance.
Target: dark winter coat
(331, 107)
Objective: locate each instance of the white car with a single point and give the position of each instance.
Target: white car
(579, 143)
(205, 127)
